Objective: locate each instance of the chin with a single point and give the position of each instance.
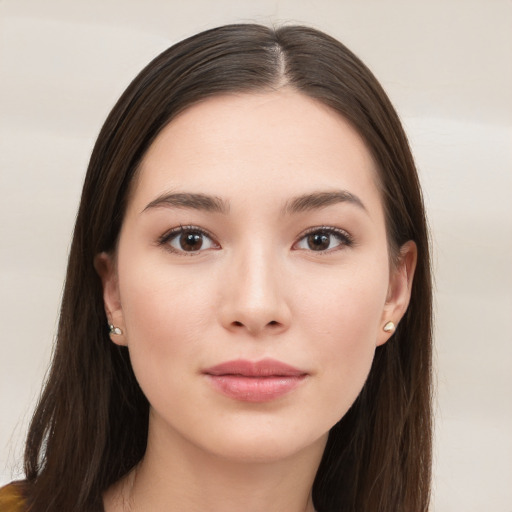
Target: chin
(266, 445)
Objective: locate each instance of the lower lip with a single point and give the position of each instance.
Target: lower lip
(255, 389)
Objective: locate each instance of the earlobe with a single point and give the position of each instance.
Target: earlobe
(105, 266)
(399, 291)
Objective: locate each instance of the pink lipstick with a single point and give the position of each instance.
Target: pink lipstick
(260, 381)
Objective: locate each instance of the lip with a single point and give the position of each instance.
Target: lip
(254, 381)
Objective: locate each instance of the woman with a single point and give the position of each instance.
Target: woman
(239, 328)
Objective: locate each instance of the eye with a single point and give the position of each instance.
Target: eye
(188, 239)
(324, 239)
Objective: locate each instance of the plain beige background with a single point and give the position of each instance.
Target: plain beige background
(447, 67)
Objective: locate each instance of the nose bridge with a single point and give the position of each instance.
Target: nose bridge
(256, 298)
(256, 271)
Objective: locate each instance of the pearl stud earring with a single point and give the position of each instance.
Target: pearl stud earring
(389, 327)
(114, 330)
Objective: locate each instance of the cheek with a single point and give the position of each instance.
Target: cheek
(163, 313)
(343, 324)
(345, 306)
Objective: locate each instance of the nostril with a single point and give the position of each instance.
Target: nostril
(273, 322)
(237, 323)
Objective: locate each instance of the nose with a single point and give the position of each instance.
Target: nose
(253, 295)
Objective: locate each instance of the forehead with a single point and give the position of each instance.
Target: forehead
(275, 144)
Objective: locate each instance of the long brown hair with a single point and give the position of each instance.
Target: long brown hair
(90, 426)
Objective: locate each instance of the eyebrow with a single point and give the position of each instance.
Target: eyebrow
(319, 200)
(306, 202)
(190, 200)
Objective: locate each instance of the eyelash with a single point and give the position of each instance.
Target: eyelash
(344, 238)
(170, 235)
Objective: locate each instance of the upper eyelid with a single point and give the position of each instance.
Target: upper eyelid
(182, 227)
(329, 229)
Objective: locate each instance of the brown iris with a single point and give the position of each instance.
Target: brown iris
(190, 241)
(319, 241)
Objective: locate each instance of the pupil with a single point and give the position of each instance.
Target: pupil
(191, 241)
(318, 241)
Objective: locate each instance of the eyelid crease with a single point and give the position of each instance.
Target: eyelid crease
(327, 229)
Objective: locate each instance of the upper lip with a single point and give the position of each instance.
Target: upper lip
(263, 368)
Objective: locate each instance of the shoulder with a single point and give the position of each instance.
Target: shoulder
(11, 498)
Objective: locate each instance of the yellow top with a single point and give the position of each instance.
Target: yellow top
(11, 499)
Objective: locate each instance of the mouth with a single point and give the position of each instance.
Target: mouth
(259, 381)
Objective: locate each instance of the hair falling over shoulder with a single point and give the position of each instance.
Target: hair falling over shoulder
(91, 424)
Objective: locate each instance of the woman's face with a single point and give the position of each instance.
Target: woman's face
(252, 279)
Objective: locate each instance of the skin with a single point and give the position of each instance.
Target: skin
(255, 289)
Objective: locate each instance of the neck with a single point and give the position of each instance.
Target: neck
(186, 479)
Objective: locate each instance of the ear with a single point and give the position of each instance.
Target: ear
(399, 290)
(105, 266)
